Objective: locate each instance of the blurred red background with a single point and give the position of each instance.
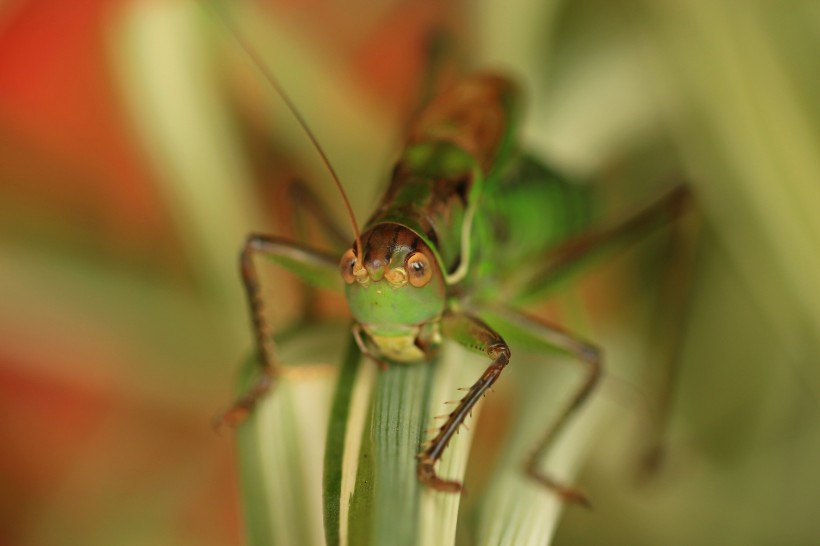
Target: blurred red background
(87, 456)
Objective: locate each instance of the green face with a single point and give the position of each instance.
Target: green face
(398, 284)
(383, 306)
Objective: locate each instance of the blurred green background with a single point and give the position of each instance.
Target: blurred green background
(139, 144)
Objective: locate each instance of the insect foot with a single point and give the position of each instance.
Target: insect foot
(427, 475)
(242, 407)
(232, 418)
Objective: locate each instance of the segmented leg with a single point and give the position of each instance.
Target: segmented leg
(474, 334)
(668, 330)
(365, 349)
(289, 254)
(315, 266)
(578, 251)
(560, 261)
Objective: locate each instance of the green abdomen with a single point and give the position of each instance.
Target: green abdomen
(522, 215)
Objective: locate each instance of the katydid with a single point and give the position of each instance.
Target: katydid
(470, 227)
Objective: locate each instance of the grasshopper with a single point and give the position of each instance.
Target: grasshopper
(470, 229)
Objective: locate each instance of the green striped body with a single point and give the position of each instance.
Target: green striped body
(523, 213)
(463, 194)
(522, 207)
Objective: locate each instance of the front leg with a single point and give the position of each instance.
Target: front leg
(314, 266)
(365, 348)
(474, 334)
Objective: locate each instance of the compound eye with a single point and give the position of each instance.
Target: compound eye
(419, 272)
(346, 266)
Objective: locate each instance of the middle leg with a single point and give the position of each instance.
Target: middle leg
(554, 337)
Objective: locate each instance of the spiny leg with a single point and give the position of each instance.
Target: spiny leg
(474, 334)
(315, 266)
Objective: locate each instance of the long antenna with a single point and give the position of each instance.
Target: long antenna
(229, 24)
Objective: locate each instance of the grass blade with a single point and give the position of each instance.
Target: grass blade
(387, 504)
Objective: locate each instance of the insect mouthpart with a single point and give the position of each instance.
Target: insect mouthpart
(361, 275)
(396, 277)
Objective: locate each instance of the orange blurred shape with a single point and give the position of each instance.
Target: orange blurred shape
(64, 140)
(45, 427)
